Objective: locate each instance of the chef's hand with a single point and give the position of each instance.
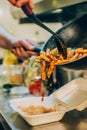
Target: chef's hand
(23, 49)
(19, 3)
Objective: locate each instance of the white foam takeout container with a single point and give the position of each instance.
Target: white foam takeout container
(40, 118)
(72, 95)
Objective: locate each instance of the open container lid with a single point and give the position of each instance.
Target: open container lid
(73, 94)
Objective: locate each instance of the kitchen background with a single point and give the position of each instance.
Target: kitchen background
(14, 20)
(17, 23)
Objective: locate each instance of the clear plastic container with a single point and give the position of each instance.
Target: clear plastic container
(16, 74)
(32, 76)
(11, 76)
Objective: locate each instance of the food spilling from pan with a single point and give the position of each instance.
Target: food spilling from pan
(51, 58)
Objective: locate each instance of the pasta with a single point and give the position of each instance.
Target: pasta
(51, 58)
(35, 110)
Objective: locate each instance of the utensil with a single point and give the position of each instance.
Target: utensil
(74, 34)
(59, 42)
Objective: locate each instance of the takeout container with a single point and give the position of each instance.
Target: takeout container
(40, 118)
(72, 95)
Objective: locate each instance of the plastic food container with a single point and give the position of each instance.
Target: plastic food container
(72, 95)
(40, 118)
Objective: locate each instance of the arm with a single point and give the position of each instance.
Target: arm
(22, 48)
(19, 3)
(5, 39)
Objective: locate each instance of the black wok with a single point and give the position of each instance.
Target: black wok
(74, 34)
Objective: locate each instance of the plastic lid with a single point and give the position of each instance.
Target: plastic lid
(73, 94)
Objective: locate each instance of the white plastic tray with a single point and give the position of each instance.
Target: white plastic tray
(41, 118)
(73, 94)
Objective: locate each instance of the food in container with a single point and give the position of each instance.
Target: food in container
(63, 100)
(16, 74)
(36, 109)
(38, 119)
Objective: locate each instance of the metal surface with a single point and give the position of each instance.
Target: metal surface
(3, 124)
(49, 5)
(72, 120)
(80, 64)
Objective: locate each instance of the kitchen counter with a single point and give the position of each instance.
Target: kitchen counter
(9, 119)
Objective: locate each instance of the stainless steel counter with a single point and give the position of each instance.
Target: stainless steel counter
(72, 120)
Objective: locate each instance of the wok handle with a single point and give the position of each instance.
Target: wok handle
(28, 11)
(37, 49)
